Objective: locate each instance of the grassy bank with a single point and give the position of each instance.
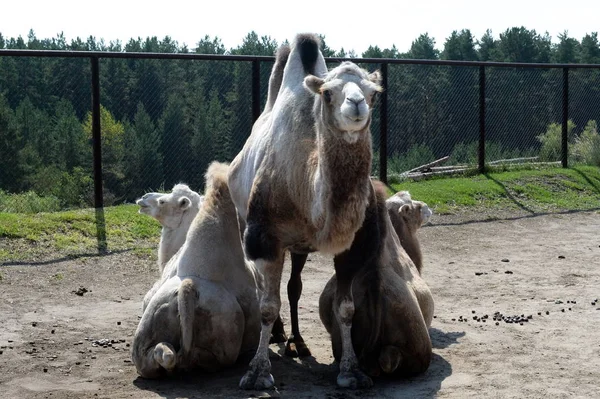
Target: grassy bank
(538, 191)
(54, 235)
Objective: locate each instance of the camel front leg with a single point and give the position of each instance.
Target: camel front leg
(351, 376)
(259, 376)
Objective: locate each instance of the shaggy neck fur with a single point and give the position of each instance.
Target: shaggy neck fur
(341, 184)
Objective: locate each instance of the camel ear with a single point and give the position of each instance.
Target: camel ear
(184, 203)
(313, 83)
(375, 77)
(404, 210)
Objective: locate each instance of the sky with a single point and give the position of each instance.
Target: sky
(350, 24)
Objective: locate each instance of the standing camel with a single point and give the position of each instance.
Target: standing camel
(301, 183)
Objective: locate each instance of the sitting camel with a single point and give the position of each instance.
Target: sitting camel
(302, 183)
(207, 315)
(407, 217)
(393, 305)
(175, 212)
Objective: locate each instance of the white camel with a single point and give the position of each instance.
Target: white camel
(207, 314)
(394, 306)
(175, 211)
(301, 183)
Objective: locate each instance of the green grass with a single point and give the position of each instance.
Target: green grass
(73, 233)
(544, 190)
(53, 235)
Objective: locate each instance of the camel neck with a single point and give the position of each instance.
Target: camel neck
(341, 188)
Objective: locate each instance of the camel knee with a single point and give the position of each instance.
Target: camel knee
(164, 354)
(269, 310)
(389, 359)
(346, 311)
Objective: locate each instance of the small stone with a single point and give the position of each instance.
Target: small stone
(34, 324)
(497, 323)
(539, 313)
(562, 310)
(45, 370)
(118, 323)
(547, 312)
(52, 332)
(472, 311)
(453, 319)
(127, 361)
(561, 256)
(77, 363)
(478, 273)
(508, 272)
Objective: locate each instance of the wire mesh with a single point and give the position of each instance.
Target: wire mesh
(523, 114)
(433, 113)
(163, 121)
(584, 117)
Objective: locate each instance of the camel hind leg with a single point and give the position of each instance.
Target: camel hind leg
(295, 346)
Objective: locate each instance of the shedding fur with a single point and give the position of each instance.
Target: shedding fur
(302, 180)
(204, 314)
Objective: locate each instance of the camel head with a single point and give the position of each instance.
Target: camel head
(414, 213)
(168, 208)
(345, 98)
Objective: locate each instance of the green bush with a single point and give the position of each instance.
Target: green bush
(552, 141)
(28, 202)
(586, 148)
(72, 189)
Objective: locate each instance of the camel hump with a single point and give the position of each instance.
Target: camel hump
(187, 298)
(217, 186)
(308, 45)
(283, 53)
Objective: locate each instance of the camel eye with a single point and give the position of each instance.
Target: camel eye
(327, 95)
(161, 202)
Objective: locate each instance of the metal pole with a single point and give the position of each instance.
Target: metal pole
(383, 125)
(565, 119)
(97, 155)
(255, 90)
(96, 135)
(481, 119)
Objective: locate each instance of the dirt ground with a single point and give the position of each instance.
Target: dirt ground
(546, 267)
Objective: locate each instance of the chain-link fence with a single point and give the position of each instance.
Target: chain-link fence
(164, 118)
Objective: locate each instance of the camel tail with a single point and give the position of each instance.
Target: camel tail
(308, 45)
(187, 299)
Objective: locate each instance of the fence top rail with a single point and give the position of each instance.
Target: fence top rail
(230, 57)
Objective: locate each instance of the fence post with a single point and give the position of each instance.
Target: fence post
(255, 90)
(481, 119)
(97, 156)
(383, 125)
(565, 119)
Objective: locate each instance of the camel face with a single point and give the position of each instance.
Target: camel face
(347, 95)
(168, 209)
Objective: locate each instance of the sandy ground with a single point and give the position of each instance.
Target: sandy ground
(50, 337)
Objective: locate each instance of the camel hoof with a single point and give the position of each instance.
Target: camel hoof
(354, 380)
(278, 338)
(296, 349)
(257, 381)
